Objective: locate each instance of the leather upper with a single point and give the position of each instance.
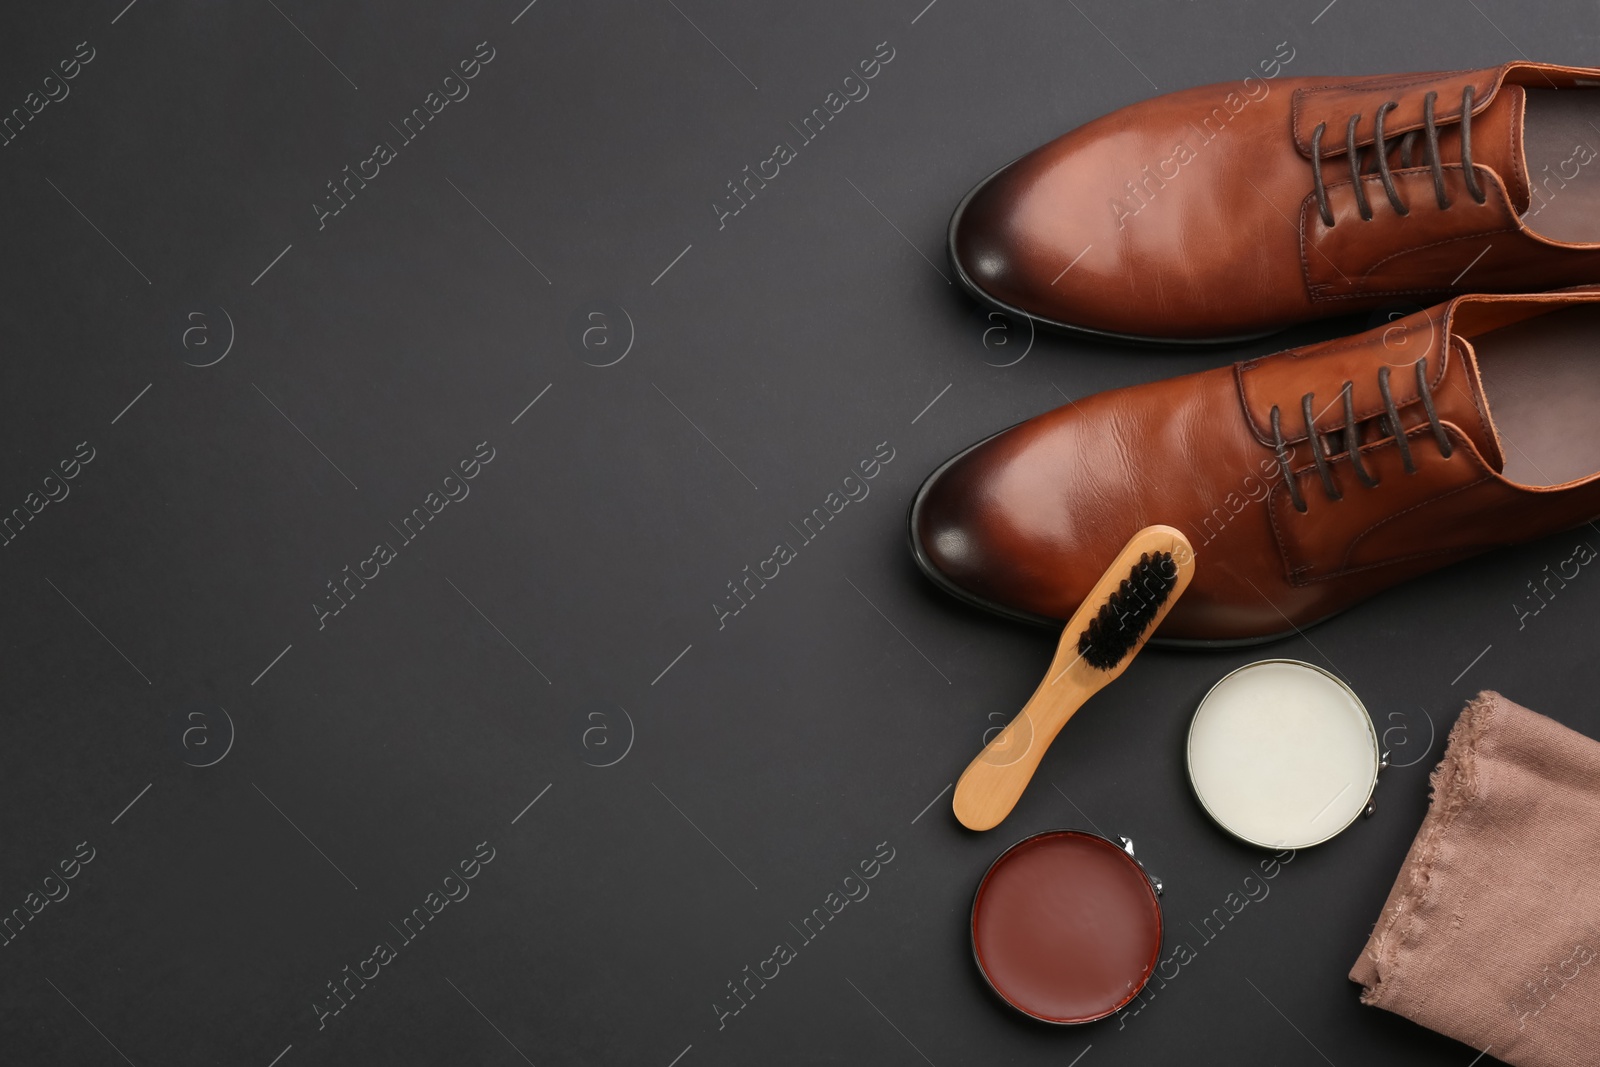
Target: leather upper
(1027, 520)
(1193, 215)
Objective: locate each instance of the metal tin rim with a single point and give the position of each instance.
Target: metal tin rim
(1372, 736)
(972, 925)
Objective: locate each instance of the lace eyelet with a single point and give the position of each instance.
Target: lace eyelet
(1430, 130)
(1352, 443)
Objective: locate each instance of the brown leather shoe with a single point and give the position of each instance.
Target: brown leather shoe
(1494, 397)
(1231, 210)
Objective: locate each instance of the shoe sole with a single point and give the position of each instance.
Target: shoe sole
(977, 293)
(939, 579)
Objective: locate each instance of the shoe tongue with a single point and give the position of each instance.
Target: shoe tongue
(1497, 142)
(1458, 399)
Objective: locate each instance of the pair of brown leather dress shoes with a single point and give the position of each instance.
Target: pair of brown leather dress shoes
(1313, 478)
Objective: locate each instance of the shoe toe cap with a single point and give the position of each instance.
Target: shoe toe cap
(1012, 238)
(995, 254)
(971, 534)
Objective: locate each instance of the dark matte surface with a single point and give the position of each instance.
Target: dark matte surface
(751, 767)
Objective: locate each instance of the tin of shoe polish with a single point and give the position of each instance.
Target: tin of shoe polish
(1282, 754)
(1066, 926)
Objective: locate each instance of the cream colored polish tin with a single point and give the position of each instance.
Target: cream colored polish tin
(1282, 754)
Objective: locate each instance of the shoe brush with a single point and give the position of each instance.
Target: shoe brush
(1102, 637)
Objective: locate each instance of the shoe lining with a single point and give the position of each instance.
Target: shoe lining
(1562, 150)
(1542, 391)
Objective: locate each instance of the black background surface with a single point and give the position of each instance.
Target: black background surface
(751, 767)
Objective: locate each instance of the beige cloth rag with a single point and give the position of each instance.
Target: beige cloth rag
(1491, 933)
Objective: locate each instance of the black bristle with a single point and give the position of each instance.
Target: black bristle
(1128, 611)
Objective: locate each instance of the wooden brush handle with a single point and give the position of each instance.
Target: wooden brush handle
(994, 781)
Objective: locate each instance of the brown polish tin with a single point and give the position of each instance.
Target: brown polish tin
(1066, 926)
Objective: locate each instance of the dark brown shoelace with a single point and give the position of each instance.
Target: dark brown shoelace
(1381, 150)
(1352, 436)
